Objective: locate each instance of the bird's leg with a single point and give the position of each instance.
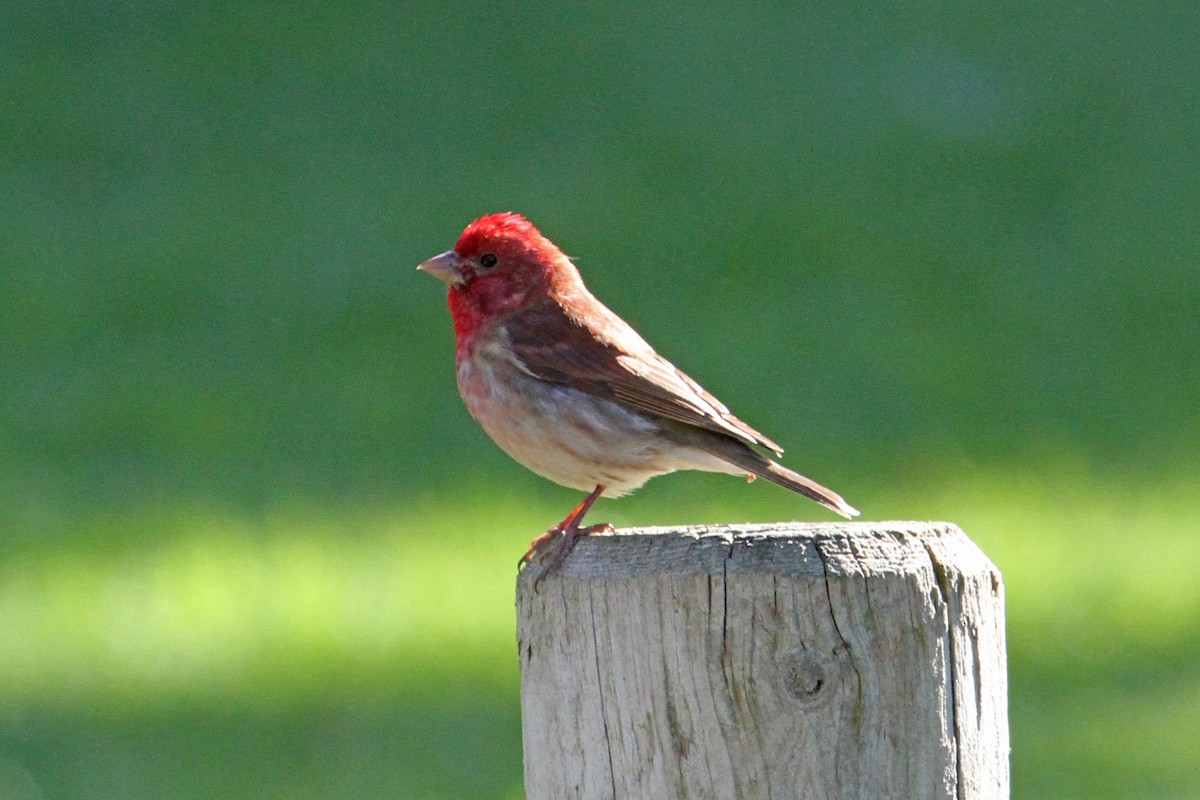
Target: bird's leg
(566, 532)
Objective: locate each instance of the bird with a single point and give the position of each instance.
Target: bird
(572, 392)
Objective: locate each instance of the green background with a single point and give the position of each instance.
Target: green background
(252, 545)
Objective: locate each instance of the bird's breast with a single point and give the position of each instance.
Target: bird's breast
(561, 433)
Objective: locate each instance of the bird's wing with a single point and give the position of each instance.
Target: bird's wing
(605, 357)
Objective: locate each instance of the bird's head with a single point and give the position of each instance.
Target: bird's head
(501, 262)
(499, 248)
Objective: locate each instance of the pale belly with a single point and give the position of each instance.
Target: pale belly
(570, 437)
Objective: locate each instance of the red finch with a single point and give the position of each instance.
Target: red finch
(570, 390)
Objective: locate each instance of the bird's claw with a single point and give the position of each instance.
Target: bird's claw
(555, 545)
(537, 544)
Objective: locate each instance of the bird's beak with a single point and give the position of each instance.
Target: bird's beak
(447, 267)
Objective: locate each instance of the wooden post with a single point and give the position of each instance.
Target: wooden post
(841, 660)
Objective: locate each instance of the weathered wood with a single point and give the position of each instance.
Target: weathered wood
(855, 660)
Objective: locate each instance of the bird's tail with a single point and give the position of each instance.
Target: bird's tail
(753, 462)
(782, 476)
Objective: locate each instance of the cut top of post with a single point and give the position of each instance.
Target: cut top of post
(784, 548)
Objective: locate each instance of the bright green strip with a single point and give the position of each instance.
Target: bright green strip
(183, 604)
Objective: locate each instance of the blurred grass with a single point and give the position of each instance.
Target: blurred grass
(252, 546)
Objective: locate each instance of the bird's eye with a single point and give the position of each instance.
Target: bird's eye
(488, 260)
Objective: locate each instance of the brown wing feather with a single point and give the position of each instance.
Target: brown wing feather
(614, 362)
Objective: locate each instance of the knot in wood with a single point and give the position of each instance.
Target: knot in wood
(806, 676)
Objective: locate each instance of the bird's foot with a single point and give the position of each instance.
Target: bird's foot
(555, 545)
(539, 544)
